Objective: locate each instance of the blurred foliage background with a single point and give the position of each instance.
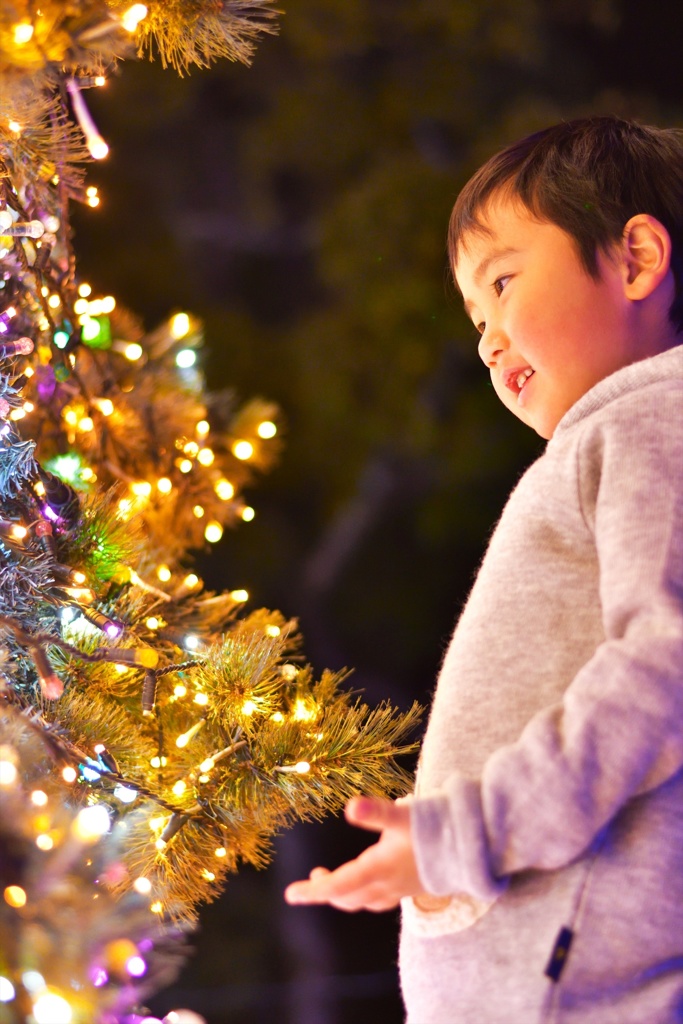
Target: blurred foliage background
(300, 208)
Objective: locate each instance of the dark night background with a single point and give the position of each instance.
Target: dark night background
(299, 207)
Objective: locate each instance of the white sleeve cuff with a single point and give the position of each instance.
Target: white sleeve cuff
(450, 844)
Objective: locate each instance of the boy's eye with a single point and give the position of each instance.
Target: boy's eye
(500, 283)
(480, 328)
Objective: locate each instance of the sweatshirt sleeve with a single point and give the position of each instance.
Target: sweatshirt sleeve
(618, 732)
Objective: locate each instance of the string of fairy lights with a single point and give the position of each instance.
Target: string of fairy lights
(153, 735)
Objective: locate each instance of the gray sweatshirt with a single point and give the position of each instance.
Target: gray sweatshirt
(548, 816)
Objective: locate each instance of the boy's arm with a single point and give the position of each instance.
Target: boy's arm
(618, 732)
(380, 876)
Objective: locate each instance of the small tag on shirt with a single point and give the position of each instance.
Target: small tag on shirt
(558, 957)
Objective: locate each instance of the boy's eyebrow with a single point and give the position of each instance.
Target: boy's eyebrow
(480, 272)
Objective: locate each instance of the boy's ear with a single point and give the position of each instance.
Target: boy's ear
(647, 252)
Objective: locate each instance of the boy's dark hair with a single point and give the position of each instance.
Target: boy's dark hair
(589, 177)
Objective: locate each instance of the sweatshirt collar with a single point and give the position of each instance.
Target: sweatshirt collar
(664, 366)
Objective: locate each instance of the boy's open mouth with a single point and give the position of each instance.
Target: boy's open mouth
(516, 379)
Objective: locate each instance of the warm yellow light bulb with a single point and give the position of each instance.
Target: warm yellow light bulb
(249, 707)
(91, 823)
(213, 532)
(164, 573)
(191, 580)
(105, 405)
(84, 290)
(224, 489)
(38, 798)
(243, 450)
(164, 485)
(180, 690)
(157, 907)
(131, 18)
(69, 774)
(8, 773)
(98, 150)
(203, 428)
(141, 488)
(152, 622)
(201, 698)
(205, 456)
(23, 33)
(15, 896)
(239, 595)
(185, 465)
(248, 513)
(198, 511)
(266, 430)
(273, 630)
(179, 787)
(180, 326)
(18, 532)
(220, 852)
(142, 885)
(191, 448)
(133, 351)
(86, 424)
(44, 842)
(54, 301)
(207, 765)
(303, 712)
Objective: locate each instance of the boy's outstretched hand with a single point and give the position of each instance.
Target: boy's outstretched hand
(380, 876)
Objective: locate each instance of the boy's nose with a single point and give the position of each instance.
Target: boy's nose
(491, 346)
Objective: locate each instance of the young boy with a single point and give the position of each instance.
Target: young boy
(540, 861)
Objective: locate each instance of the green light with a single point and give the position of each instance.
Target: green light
(66, 467)
(91, 330)
(61, 339)
(96, 332)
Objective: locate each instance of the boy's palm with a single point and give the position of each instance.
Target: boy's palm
(380, 876)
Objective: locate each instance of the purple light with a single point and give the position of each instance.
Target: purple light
(145, 945)
(50, 513)
(136, 966)
(113, 630)
(99, 977)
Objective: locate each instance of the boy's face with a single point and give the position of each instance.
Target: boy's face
(549, 331)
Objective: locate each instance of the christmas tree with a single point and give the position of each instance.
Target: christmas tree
(153, 736)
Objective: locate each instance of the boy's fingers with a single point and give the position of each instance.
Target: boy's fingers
(318, 873)
(323, 886)
(374, 814)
